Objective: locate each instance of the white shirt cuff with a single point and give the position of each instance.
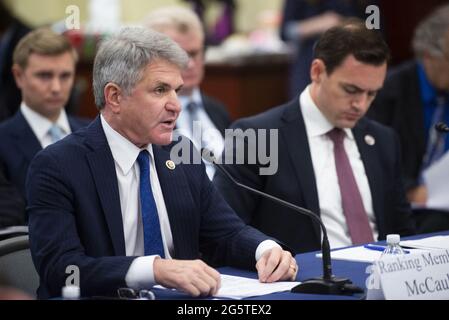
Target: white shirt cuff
(140, 274)
(264, 246)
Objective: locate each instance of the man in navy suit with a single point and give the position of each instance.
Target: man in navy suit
(198, 110)
(44, 70)
(353, 184)
(110, 201)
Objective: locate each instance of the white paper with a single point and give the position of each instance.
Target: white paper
(360, 254)
(436, 242)
(238, 287)
(436, 177)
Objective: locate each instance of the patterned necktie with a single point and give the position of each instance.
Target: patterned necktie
(150, 219)
(55, 133)
(356, 217)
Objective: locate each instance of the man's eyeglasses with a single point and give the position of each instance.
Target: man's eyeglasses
(131, 294)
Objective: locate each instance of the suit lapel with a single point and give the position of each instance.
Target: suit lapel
(173, 182)
(103, 172)
(27, 142)
(369, 155)
(214, 116)
(295, 139)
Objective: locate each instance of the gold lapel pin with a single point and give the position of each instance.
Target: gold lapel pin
(170, 164)
(369, 139)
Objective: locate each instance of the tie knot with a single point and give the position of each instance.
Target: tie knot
(191, 106)
(143, 159)
(337, 135)
(55, 132)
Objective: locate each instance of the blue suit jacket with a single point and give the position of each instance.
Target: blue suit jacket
(19, 145)
(295, 181)
(75, 216)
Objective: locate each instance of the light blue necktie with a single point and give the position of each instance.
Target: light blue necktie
(55, 133)
(150, 219)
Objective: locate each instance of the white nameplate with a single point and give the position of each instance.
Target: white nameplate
(415, 276)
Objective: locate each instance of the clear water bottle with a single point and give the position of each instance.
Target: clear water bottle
(393, 247)
(374, 287)
(71, 292)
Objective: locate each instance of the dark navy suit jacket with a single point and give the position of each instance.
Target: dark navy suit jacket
(19, 145)
(295, 181)
(75, 216)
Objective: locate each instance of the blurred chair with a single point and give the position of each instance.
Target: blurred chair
(16, 266)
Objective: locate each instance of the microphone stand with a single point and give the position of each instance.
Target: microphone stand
(328, 283)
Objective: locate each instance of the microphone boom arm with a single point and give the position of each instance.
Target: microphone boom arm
(327, 284)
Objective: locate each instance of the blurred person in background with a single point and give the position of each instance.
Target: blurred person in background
(184, 27)
(414, 98)
(302, 24)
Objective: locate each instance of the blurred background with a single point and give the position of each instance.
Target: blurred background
(247, 64)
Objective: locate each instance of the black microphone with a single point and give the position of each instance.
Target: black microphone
(442, 127)
(328, 283)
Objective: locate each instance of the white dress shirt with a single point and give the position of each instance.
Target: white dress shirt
(322, 154)
(124, 152)
(140, 274)
(211, 136)
(41, 125)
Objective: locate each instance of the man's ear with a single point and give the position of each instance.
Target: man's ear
(317, 70)
(17, 72)
(113, 96)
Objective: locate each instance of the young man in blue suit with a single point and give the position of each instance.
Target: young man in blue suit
(331, 160)
(109, 200)
(44, 70)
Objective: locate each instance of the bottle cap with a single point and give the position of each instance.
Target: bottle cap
(393, 239)
(71, 292)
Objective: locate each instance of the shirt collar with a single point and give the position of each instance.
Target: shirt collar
(40, 124)
(123, 151)
(315, 121)
(194, 97)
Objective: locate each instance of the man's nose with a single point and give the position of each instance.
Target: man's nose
(55, 84)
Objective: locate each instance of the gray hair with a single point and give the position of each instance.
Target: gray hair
(430, 33)
(122, 57)
(180, 19)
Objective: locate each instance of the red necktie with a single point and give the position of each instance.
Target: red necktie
(356, 218)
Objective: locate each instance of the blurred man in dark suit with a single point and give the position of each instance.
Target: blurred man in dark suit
(211, 116)
(415, 97)
(331, 160)
(44, 70)
(11, 31)
(12, 204)
(110, 200)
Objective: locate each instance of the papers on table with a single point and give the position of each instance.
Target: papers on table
(239, 287)
(431, 243)
(360, 254)
(435, 178)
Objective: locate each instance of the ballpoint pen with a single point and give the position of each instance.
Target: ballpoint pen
(379, 247)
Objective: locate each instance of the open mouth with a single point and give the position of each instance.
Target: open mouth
(169, 123)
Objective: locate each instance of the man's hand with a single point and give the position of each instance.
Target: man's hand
(191, 276)
(417, 195)
(276, 264)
